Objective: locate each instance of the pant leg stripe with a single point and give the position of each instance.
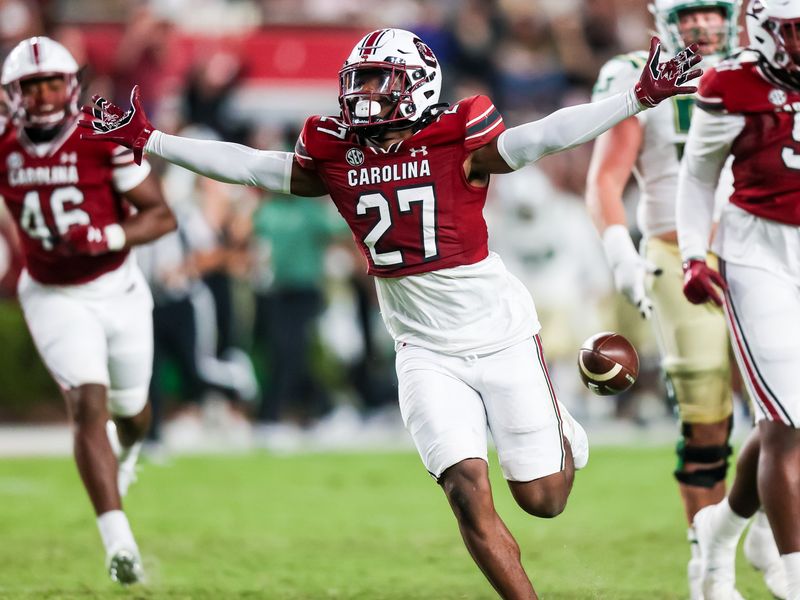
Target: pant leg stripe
(758, 386)
(553, 399)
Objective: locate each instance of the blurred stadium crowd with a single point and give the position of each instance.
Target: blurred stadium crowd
(266, 325)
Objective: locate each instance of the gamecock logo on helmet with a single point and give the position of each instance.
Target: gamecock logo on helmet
(425, 53)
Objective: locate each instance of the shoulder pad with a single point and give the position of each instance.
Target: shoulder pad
(317, 138)
(619, 74)
(735, 86)
(482, 121)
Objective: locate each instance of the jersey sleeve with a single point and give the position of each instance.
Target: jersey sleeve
(125, 173)
(710, 96)
(304, 140)
(483, 122)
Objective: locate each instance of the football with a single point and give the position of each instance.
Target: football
(608, 363)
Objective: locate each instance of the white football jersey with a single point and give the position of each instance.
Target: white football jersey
(665, 130)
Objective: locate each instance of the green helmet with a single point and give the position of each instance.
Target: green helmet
(666, 14)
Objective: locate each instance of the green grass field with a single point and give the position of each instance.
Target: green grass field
(366, 526)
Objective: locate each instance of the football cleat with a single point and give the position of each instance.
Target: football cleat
(761, 552)
(576, 435)
(694, 570)
(125, 566)
(719, 577)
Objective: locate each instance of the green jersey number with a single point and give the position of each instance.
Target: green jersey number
(683, 106)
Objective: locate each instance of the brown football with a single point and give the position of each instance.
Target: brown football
(608, 363)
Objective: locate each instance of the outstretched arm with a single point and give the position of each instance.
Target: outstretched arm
(235, 163)
(223, 161)
(708, 145)
(575, 125)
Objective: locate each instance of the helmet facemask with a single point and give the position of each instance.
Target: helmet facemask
(19, 107)
(725, 37)
(776, 37)
(375, 94)
(786, 33)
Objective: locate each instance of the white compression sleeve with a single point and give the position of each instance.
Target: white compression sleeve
(224, 161)
(708, 145)
(564, 129)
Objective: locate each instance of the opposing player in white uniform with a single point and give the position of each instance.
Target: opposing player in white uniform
(409, 175)
(693, 340)
(86, 304)
(749, 110)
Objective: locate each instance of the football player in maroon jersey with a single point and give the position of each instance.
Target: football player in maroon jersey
(693, 340)
(409, 175)
(86, 304)
(750, 109)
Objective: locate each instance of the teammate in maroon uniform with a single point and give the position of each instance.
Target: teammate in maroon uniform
(85, 302)
(750, 109)
(409, 175)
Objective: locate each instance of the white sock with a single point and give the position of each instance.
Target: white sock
(727, 525)
(693, 547)
(115, 531)
(761, 520)
(131, 452)
(791, 563)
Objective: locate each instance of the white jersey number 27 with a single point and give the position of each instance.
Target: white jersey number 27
(405, 198)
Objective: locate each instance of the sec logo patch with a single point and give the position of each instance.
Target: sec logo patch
(777, 97)
(354, 157)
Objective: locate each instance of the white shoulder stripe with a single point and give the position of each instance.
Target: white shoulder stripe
(485, 131)
(707, 99)
(481, 116)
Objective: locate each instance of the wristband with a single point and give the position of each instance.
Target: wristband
(115, 237)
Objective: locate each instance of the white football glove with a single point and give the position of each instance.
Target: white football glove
(629, 268)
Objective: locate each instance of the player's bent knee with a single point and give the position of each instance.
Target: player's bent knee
(87, 404)
(466, 485)
(547, 507)
(544, 498)
(128, 402)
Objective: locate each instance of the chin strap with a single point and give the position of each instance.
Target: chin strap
(42, 135)
(778, 76)
(430, 114)
(377, 131)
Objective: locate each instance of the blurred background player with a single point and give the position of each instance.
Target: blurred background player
(409, 175)
(693, 340)
(79, 208)
(749, 111)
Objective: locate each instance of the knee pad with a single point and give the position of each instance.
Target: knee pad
(706, 477)
(128, 402)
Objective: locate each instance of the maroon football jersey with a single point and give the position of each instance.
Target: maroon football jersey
(766, 166)
(49, 188)
(410, 206)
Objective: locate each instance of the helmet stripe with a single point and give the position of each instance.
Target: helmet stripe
(35, 50)
(371, 43)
